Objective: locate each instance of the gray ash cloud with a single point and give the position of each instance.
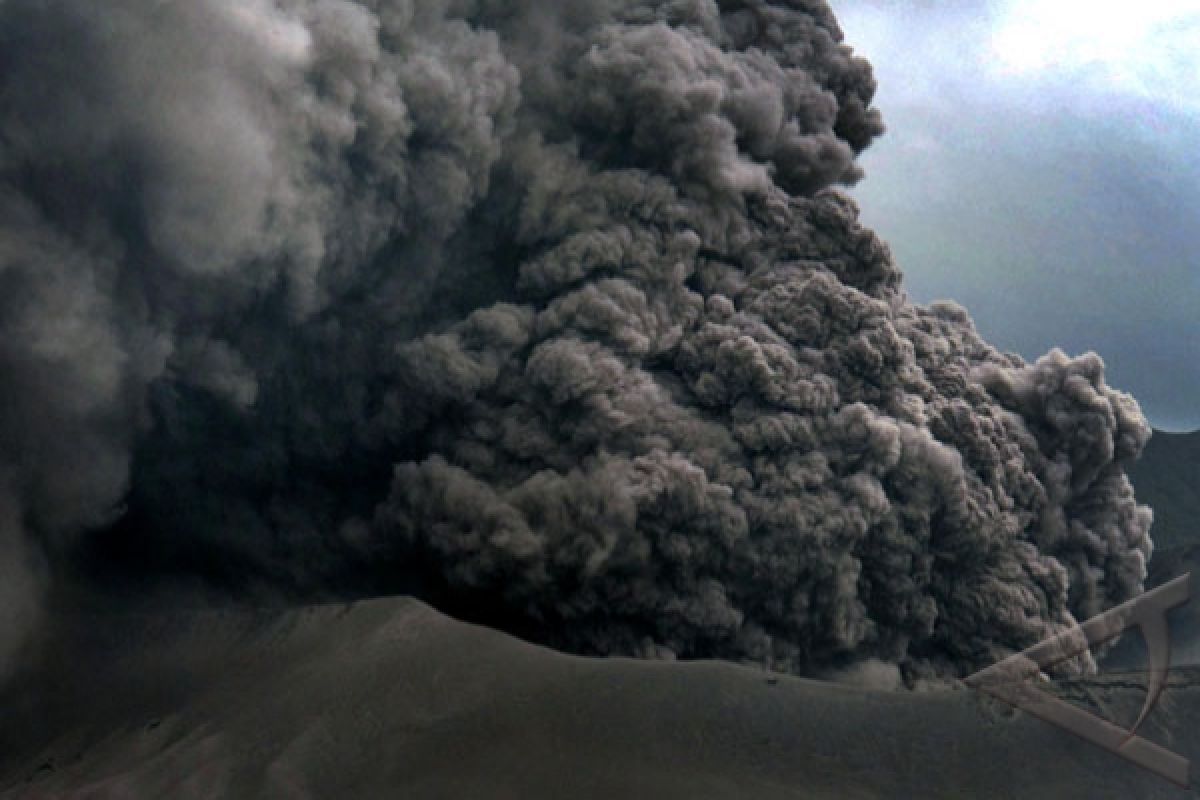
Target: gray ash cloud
(549, 311)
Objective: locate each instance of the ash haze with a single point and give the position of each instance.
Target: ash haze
(1041, 167)
(555, 314)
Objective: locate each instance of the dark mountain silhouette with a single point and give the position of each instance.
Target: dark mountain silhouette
(1167, 478)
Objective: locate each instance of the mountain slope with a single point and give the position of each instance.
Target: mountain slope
(390, 698)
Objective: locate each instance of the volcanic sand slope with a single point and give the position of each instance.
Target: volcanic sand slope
(389, 698)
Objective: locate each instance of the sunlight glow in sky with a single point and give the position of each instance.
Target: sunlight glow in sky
(1150, 48)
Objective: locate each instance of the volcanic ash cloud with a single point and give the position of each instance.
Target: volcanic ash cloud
(548, 311)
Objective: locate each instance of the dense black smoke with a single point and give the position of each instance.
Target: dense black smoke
(546, 310)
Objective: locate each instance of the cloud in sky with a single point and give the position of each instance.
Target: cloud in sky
(1058, 139)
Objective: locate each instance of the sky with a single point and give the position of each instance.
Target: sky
(1041, 168)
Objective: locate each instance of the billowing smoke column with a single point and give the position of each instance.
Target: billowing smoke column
(544, 310)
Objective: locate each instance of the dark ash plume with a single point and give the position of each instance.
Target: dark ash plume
(549, 311)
